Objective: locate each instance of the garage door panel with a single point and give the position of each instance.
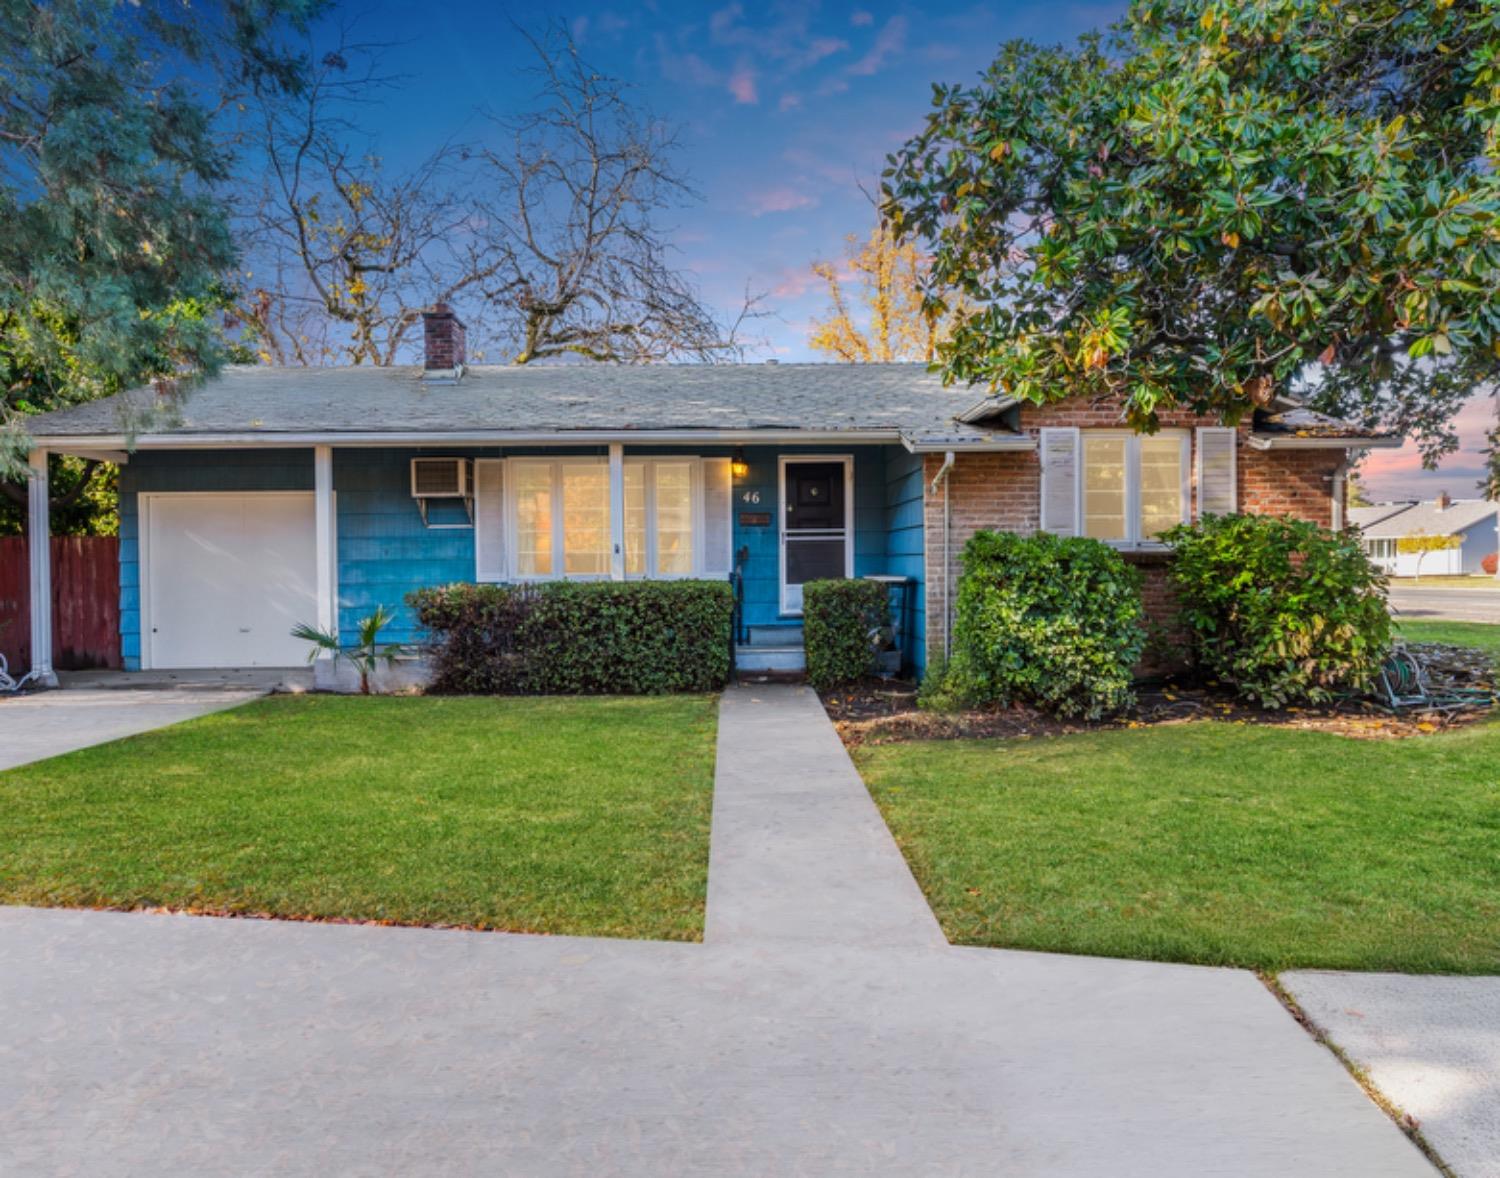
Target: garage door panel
(230, 575)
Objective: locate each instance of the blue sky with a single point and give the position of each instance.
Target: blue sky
(785, 110)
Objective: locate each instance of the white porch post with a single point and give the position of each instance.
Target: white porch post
(39, 529)
(328, 614)
(617, 511)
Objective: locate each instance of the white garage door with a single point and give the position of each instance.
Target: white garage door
(227, 577)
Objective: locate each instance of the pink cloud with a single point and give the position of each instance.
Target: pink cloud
(1398, 474)
(889, 41)
(687, 68)
(822, 47)
(781, 199)
(793, 284)
(789, 102)
(742, 86)
(860, 18)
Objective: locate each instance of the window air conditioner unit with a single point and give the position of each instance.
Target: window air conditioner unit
(443, 478)
(440, 478)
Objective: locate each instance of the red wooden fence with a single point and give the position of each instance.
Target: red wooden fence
(85, 602)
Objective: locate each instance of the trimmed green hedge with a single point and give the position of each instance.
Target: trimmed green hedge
(578, 638)
(842, 623)
(1281, 609)
(1043, 619)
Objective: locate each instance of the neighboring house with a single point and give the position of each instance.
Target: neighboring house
(284, 495)
(1469, 524)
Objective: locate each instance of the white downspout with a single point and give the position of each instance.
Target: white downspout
(942, 477)
(1341, 491)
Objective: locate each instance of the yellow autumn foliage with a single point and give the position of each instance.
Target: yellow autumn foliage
(890, 323)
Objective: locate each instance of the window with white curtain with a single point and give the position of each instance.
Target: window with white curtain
(677, 515)
(532, 485)
(561, 514)
(661, 516)
(1134, 486)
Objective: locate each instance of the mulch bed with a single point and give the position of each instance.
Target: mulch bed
(884, 712)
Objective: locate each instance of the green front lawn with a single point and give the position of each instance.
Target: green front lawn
(585, 816)
(1482, 635)
(1209, 842)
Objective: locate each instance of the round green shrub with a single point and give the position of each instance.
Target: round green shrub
(841, 621)
(1281, 609)
(1046, 620)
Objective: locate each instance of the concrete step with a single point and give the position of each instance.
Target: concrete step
(775, 636)
(761, 659)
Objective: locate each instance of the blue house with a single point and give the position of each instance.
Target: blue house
(271, 496)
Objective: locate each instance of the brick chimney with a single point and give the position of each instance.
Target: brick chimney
(1443, 502)
(444, 342)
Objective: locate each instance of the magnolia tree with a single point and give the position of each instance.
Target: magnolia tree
(1218, 202)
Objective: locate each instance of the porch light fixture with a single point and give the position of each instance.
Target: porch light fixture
(738, 467)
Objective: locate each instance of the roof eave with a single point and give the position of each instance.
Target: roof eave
(987, 409)
(998, 444)
(282, 439)
(1293, 442)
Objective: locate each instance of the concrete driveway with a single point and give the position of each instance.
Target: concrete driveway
(1456, 604)
(95, 707)
(1431, 1045)
(823, 1028)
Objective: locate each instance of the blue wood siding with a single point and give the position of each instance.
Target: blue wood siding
(384, 551)
(904, 546)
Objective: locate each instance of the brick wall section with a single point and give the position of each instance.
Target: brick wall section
(1002, 492)
(444, 338)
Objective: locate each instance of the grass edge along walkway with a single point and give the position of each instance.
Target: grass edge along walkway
(585, 816)
(1207, 842)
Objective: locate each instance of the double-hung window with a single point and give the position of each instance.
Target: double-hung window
(661, 530)
(551, 518)
(560, 513)
(1115, 485)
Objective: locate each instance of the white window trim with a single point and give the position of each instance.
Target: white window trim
(782, 463)
(1133, 538)
(698, 503)
(556, 462)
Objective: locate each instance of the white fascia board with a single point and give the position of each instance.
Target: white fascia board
(1291, 442)
(264, 440)
(1013, 442)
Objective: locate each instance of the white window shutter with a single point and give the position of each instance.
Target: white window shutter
(489, 519)
(1216, 470)
(1060, 480)
(718, 522)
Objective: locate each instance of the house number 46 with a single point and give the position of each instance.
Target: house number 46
(750, 496)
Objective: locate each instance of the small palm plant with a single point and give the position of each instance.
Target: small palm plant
(367, 654)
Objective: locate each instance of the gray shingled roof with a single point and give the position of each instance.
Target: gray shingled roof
(1367, 517)
(1301, 422)
(544, 399)
(1425, 519)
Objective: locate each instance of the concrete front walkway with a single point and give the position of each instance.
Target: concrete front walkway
(98, 706)
(822, 1029)
(800, 853)
(1431, 1045)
